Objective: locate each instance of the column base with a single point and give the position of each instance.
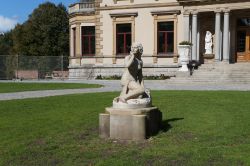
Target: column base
(208, 58)
(226, 61)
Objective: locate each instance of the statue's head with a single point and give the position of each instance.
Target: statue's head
(208, 33)
(137, 48)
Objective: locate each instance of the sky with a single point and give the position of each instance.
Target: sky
(17, 11)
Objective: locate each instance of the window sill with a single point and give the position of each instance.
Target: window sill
(121, 56)
(167, 55)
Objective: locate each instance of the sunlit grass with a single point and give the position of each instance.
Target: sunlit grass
(199, 128)
(20, 87)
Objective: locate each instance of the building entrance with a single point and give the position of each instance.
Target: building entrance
(243, 40)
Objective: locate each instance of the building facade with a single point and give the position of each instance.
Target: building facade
(101, 33)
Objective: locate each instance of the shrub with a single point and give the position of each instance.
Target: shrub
(185, 43)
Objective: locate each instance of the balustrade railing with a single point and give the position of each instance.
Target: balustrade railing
(82, 7)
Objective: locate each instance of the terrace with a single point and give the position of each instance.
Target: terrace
(83, 6)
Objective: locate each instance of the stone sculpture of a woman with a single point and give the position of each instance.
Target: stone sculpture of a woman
(208, 43)
(133, 91)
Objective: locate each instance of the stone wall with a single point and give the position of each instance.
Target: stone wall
(27, 74)
(92, 71)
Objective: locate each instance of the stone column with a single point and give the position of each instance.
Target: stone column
(194, 35)
(78, 40)
(71, 39)
(186, 26)
(198, 41)
(226, 36)
(217, 35)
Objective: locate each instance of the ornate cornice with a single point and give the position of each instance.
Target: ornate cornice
(135, 6)
(92, 13)
(135, 14)
(165, 12)
(187, 2)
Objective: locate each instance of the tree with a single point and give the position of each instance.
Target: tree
(6, 62)
(45, 33)
(6, 43)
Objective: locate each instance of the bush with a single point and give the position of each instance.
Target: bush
(185, 43)
(114, 77)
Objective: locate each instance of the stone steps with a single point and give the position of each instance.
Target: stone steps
(216, 73)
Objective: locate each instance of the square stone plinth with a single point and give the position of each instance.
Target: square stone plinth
(130, 124)
(208, 58)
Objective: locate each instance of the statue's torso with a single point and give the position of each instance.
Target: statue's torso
(132, 72)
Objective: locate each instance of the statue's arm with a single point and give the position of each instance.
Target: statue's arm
(129, 59)
(140, 78)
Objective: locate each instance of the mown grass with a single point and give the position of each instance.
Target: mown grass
(7, 87)
(199, 128)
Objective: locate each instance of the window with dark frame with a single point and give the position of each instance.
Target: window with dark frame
(74, 41)
(165, 38)
(123, 38)
(88, 41)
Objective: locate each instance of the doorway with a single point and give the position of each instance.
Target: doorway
(243, 40)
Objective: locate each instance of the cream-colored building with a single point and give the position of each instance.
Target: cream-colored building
(102, 31)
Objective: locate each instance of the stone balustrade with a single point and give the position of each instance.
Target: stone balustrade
(82, 7)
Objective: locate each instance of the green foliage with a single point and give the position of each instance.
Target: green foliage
(154, 77)
(21, 87)
(199, 128)
(6, 43)
(113, 77)
(45, 33)
(185, 43)
(8, 65)
(117, 77)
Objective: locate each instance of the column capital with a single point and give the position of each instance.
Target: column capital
(194, 12)
(217, 11)
(186, 12)
(78, 24)
(226, 10)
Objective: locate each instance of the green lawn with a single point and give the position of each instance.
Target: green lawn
(20, 87)
(199, 128)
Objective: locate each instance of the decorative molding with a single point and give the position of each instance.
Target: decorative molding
(165, 12)
(218, 10)
(194, 12)
(84, 24)
(130, 14)
(217, 7)
(208, 1)
(135, 6)
(186, 12)
(98, 33)
(164, 18)
(72, 15)
(115, 1)
(226, 10)
(122, 20)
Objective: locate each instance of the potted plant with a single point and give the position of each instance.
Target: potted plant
(184, 52)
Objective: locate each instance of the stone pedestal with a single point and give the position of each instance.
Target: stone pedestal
(184, 57)
(130, 124)
(208, 58)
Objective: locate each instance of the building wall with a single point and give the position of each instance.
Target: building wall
(144, 29)
(144, 14)
(133, 2)
(77, 22)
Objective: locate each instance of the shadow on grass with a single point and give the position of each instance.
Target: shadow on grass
(165, 126)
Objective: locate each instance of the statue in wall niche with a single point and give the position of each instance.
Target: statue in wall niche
(133, 94)
(208, 43)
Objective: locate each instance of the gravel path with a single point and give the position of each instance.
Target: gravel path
(114, 85)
